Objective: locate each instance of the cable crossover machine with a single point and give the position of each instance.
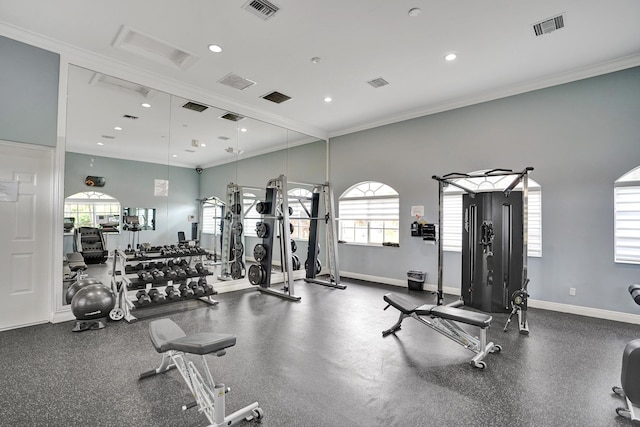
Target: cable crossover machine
(494, 243)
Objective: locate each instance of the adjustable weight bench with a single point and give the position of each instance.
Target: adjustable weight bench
(442, 319)
(170, 340)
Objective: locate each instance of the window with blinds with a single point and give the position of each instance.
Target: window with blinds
(452, 219)
(627, 218)
(369, 214)
(299, 200)
(212, 217)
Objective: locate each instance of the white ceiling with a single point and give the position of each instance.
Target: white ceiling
(357, 40)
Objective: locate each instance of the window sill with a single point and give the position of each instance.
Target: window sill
(369, 245)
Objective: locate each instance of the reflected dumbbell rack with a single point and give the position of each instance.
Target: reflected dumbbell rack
(159, 275)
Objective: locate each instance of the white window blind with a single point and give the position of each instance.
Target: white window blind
(369, 214)
(627, 223)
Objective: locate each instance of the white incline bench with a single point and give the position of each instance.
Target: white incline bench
(441, 318)
(170, 340)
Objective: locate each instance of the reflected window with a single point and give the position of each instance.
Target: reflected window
(369, 214)
(300, 202)
(251, 215)
(212, 215)
(92, 209)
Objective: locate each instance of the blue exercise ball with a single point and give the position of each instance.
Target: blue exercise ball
(79, 284)
(93, 302)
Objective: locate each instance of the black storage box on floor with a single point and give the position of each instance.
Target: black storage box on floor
(416, 279)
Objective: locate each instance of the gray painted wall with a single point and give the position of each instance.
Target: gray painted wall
(28, 93)
(132, 183)
(580, 137)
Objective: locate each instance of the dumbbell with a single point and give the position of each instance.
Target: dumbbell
(184, 263)
(192, 271)
(200, 269)
(145, 276)
(156, 296)
(181, 273)
(185, 291)
(157, 274)
(143, 298)
(169, 273)
(197, 288)
(171, 292)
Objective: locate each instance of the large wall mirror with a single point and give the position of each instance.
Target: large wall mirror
(163, 153)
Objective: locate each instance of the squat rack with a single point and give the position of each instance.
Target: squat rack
(519, 298)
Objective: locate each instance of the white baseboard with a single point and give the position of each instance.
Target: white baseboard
(62, 316)
(544, 305)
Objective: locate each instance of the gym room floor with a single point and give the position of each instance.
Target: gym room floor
(319, 362)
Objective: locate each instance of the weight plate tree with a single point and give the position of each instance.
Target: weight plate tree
(260, 275)
(233, 253)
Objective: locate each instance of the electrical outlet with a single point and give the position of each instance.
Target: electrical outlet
(572, 292)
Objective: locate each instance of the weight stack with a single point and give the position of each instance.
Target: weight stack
(631, 371)
(492, 247)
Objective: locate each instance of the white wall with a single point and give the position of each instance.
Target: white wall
(580, 137)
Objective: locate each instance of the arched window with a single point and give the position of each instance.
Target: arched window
(93, 209)
(369, 214)
(627, 218)
(452, 210)
(300, 202)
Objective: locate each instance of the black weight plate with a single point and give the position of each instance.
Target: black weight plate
(237, 227)
(236, 209)
(290, 228)
(295, 262)
(294, 246)
(256, 274)
(238, 250)
(236, 270)
(262, 207)
(259, 252)
(262, 230)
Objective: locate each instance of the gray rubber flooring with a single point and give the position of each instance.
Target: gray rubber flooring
(319, 362)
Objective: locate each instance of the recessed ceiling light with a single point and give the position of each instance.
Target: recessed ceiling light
(146, 105)
(328, 99)
(117, 128)
(174, 155)
(414, 11)
(100, 143)
(215, 48)
(243, 129)
(450, 56)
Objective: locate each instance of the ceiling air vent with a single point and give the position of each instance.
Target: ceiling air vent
(549, 25)
(236, 81)
(108, 137)
(152, 48)
(379, 82)
(261, 8)
(103, 80)
(232, 117)
(224, 138)
(276, 97)
(190, 151)
(130, 117)
(195, 106)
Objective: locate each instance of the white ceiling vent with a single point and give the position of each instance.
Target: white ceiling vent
(236, 82)
(379, 82)
(549, 25)
(103, 80)
(261, 8)
(152, 48)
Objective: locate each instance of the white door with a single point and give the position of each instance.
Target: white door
(25, 234)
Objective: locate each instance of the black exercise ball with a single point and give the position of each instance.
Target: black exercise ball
(93, 302)
(79, 284)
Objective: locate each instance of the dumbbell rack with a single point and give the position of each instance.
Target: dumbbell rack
(124, 268)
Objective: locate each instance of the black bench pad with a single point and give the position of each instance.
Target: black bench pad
(406, 307)
(76, 261)
(442, 311)
(166, 335)
(462, 316)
